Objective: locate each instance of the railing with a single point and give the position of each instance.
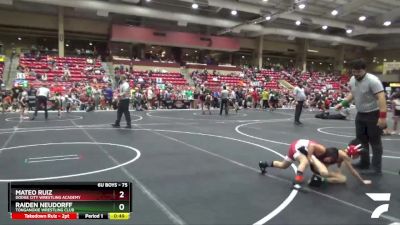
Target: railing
(286, 84)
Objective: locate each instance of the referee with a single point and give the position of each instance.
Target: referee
(300, 97)
(42, 95)
(368, 93)
(123, 105)
(224, 101)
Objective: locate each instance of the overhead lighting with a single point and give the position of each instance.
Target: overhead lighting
(265, 0)
(298, 22)
(349, 31)
(234, 12)
(268, 17)
(324, 27)
(195, 51)
(90, 43)
(195, 6)
(242, 56)
(362, 18)
(302, 6)
(384, 60)
(312, 50)
(387, 23)
(19, 38)
(66, 45)
(334, 12)
(122, 49)
(320, 63)
(148, 0)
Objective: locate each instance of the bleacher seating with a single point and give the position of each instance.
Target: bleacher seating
(270, 79)
(55, 66)
(1, 70)
(171, 77)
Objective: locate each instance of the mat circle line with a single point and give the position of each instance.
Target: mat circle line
(149, 114)
(138, 154)
(233, 114)
(18, 119)
(322, 130)
(285, 203)
(284, 143)
(91, 125)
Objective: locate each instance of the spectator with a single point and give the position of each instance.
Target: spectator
(108, 95)
(265, 97)
(396, 111)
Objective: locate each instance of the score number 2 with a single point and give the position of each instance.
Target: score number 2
(121, 206)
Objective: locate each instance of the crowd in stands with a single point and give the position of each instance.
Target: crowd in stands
(1, 73)
(323, 90)
(83, 82)
(80, 80)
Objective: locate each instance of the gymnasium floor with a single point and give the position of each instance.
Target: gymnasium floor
(189, 168)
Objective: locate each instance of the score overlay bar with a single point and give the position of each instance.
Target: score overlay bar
(70, 200)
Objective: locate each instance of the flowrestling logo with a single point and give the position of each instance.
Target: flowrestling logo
(379, 197)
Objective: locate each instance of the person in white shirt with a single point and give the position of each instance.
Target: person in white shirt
(150, 96)
(233, 99)
(123, 103)
(300, 97)
(23, 101)
(42, 95)
(224, 101)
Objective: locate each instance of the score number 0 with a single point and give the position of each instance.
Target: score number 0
(121, 195)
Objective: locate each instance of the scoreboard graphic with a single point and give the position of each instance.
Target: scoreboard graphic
(70, 200)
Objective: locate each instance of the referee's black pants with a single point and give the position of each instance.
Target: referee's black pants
(123, 108)
(299, 108)
(368, 132)
(224, 103)
(41, 100)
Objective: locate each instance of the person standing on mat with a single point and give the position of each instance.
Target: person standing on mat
(42, 95)
(369, 97)
(224, 100)
(300, 97)
(123, 104)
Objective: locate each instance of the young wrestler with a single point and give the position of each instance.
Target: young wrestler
(307, 153)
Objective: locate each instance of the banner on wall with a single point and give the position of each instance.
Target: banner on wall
(394, 84)
(159, 80)
(161, 86)
(21, 83)
(390, 68)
